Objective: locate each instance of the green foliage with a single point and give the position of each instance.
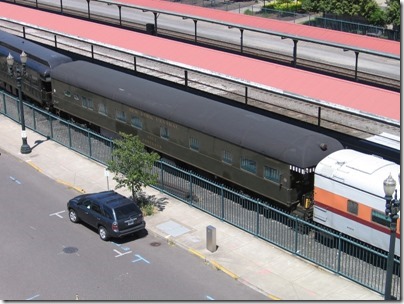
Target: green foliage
(311, 6)
(147, 208)
(285, 5)
(377, 17)
(146, 204)
(393, 14)
(369, 9)
(132, 164)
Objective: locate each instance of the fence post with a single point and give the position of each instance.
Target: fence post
(70, 136)
(89, 144)
(339, 254)
(190, 187)
(296, 232)
(33, 119)
(51, 127)
(258, 217)
(4, 103)
(222, 192)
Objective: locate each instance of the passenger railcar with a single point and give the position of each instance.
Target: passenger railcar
(349, 196)
(267, 156)
(36, 84)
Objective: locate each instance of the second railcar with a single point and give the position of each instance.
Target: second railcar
(349, 196)
(267, 156)
(36, 83)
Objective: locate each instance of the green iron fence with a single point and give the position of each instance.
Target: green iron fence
(333, 251)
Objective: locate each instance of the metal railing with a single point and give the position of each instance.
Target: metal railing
(333, 251)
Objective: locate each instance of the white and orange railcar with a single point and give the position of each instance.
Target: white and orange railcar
(349, 196)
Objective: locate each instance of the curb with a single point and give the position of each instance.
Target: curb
(168, 238)
(213, 263)
(29, 162)
(70, 186)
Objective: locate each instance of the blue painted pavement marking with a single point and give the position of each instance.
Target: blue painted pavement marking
(121, 246)
(140, 258)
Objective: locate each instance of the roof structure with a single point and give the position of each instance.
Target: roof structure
(361, 43)
(276, 139)
(40, 58)
(302, 84)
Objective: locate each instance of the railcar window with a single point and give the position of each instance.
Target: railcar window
(380, 218)
(68, 93)
(164, 133)
(248, 165)
(76, 97)
(87, 103)
(34, 80)
(136, 122)
(102, 109)
(227, 157)
(120, 115)
(90, 104)
(194, 143)
(352, 207)
(84, 103)
(272, 174)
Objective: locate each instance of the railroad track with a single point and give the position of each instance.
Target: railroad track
(343, 122)
(316, 66)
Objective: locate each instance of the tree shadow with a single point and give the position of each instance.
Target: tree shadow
(143, 199)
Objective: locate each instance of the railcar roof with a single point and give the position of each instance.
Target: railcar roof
(284, 142)
(358, 170)
(40, 59)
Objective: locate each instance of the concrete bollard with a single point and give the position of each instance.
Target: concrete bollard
(211, 238)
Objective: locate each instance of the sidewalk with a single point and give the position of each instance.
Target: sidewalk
(254, 262)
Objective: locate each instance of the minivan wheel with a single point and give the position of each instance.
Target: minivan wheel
(73, 216)
(103, 233)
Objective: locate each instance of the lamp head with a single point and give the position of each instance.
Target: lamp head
(10, 60)
(389, 186)
(23, 57)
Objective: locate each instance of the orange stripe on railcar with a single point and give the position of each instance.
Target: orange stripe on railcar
(339, 205)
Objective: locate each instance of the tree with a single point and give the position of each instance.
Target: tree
(393, 13)
(132, 164)
(368, 9)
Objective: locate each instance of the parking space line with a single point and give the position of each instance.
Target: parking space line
(15, 180)
(31, 298)
(120, 253)
(57, 213)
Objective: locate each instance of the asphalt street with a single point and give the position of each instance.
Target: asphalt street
(46, 257)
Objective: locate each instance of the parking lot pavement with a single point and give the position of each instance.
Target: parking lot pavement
(270, 270)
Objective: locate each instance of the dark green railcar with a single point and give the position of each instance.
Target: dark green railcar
(264, 155)
(36, 83)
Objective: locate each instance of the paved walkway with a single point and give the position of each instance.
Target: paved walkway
(254, 262)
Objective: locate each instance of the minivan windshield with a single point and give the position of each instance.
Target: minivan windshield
(122, 212)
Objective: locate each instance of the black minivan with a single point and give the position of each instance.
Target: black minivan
(111, 213)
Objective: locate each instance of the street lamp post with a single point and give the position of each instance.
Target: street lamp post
(18, 73)
(392, 209)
